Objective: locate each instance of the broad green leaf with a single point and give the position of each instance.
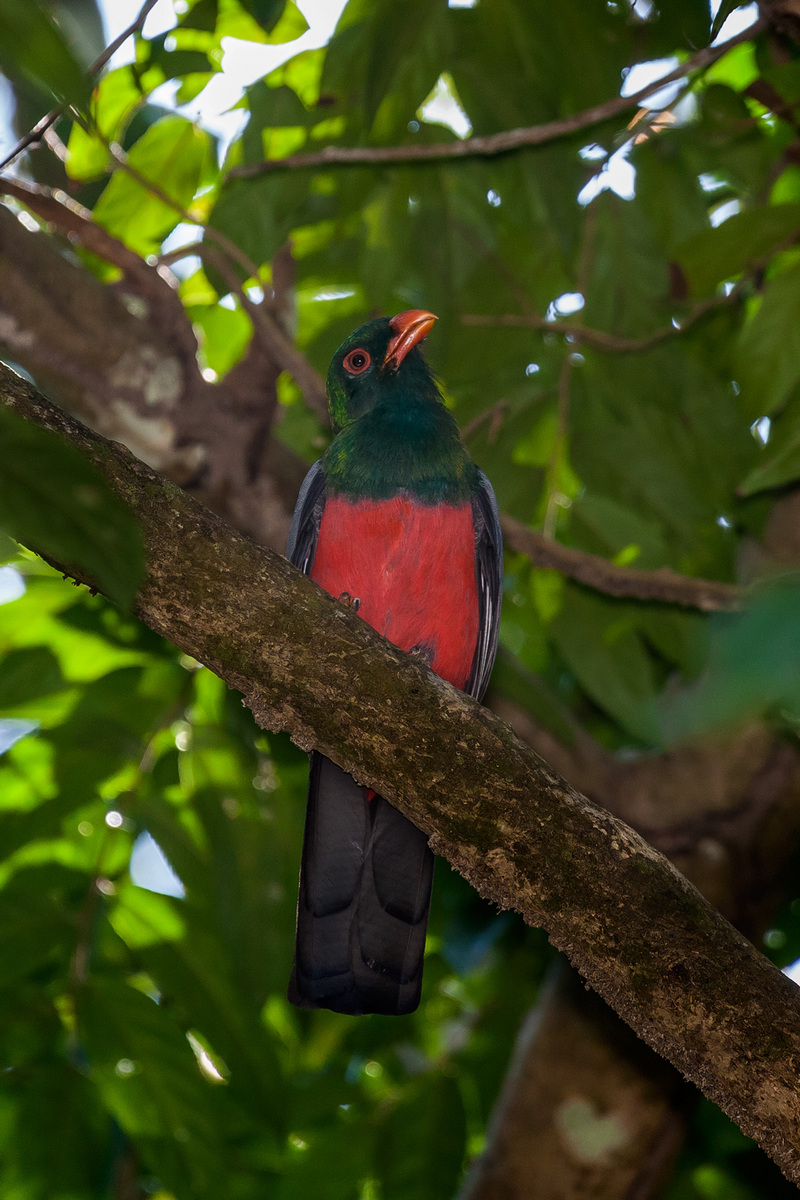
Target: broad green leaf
(768, 354)
(201, 15)
(173, 154)
(752, 668)
(148, 1077)
(32, 47)
(27, 674)
(60, 1130)
(272, 21)
(333, 1162)
(54, 501)
(87, 157)
(142, 918)
(281, 20)
(421, 1144)
(266, 12)
(177, 53)
(779, 463)
(225, 334)
(602, 646)
(742, 241)
(114, 100)
(537, 448)
(723, 12)
(33, 929)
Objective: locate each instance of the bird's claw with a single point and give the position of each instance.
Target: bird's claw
(349, 601)
(422, 654)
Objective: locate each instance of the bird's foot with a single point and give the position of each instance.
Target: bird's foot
(349, 601)
(422, 653)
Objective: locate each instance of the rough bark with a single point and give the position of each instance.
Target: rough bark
(123, 358)
(643, 937)
(727, 813)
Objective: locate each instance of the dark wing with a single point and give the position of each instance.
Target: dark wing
(302, 544)
(489, 575)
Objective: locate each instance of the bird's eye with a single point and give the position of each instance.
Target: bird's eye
(357, 362)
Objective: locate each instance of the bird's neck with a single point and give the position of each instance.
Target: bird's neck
(410, 444)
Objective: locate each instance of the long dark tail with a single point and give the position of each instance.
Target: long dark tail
(365, 892)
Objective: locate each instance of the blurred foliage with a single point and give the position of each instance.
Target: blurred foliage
(144, 1024)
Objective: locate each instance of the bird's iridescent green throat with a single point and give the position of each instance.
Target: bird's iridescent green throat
(394, 432)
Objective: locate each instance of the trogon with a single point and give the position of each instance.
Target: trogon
(397, 521)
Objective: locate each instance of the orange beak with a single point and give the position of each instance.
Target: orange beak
(409, 329)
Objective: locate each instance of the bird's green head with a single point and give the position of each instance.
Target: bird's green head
(378, 361)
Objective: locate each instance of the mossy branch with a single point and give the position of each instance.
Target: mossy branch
(642, 936)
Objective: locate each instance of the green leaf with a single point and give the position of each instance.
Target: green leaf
(768, 353)
(33, 928)
(421, 1146)
(723, 12)
(54, 501)
(28, 674)
(142, 918)
(113, 103)
(536, 448)
(752, 668)
(173, 154)
(226, 334)
(739, 243)
(281, 20)
(605, 652)
(180, 61)
(780, 458)
(60, 1131)
(32, 47)
(266, 12)
(149, 1079)
(8, 548)
(202, 15)
(332, 1162)
(263, 21)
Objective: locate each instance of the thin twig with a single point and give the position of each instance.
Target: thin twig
(35, 135)
(663, 585)
(279, 346)
(496, 143)
(494, 415)
(76, 222)
(612, 342)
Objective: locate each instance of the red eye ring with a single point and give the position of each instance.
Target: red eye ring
(357, 362)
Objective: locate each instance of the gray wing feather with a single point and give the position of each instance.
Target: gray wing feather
(489, 577)
(302, 544)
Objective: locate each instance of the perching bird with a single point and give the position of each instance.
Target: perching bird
(397, 521)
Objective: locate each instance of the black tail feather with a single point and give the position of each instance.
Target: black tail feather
(365, 890)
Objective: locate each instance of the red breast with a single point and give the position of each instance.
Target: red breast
(412, 566)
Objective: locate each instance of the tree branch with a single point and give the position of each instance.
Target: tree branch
(663, 585)
(122, 357)
(612, 342)
(495, 143)
(586, 1108)
(41, 127)
(644, 938)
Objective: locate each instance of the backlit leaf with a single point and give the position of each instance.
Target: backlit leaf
(54, 501)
